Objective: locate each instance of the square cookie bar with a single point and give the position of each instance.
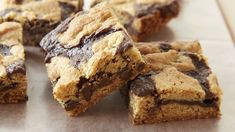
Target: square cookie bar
(12, 64)
(141, 18)
(88, 56)
(37, 17)
(177, 84)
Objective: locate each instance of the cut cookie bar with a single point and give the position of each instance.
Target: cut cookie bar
(12, 64)
(37, 17)
(143, 17)
(177, 84)
(88, 56)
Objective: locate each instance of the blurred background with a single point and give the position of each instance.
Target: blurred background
(228, 11)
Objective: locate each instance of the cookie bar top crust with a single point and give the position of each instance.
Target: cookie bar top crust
(85, 34)
(143, 17)
(88, 52)
(12, 64)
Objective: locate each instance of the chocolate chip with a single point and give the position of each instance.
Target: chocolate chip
(208, 101)
(164, 47)
(5, 87)
(87, 92)
(143, 86)
(5, 50)
(126, 74)
(70, 105)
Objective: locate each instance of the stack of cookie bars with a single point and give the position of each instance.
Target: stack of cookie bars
(93, 53)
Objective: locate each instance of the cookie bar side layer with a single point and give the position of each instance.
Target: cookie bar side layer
(88, 56)
(13, 80)
(179, 89)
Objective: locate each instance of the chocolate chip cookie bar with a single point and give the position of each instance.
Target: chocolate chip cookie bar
(177, 84)
(12, 64)
(143, 17)
(38, 17)
(88, 56)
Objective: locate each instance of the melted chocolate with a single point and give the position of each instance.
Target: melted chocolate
(16, 67)
(79, 53)
(5, 87)
(164, 47)
(124, 46)
(67, 9)
(164, 10)
(87, 87)
(5, 50)
(143, 86)
(201, 73)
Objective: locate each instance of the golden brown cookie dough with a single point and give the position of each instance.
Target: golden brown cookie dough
(88, 56)
(141, 18)
(177, 84)
(12, 64)
(38, 17)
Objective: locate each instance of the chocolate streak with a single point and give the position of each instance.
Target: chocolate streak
(144, 85)
(5, 87)
(5, 50)
(66, 9)
(17, 66)
(79, 53)
(201, 73)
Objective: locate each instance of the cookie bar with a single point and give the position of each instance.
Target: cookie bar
(88, 56)
(12, 64)
(143, 17)
(177, 84)
(37, 17)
